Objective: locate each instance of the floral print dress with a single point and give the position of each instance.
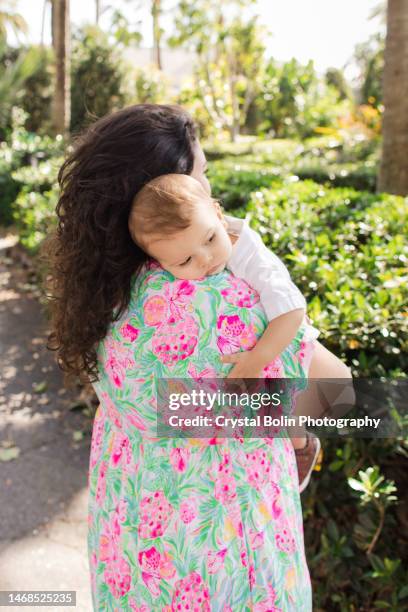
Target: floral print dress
(180, 524)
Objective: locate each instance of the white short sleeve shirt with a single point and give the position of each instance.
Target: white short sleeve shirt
(252, 261)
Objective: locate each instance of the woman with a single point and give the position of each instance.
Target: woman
(174, 523)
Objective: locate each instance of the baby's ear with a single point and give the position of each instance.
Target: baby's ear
(220, 214)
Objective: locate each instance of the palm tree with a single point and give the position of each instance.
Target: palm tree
(10, 19)
(393, 176)
(61, 45)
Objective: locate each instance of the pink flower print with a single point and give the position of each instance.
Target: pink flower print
(117, 577)
(234, 334)
(222, 468)
(155, 513)
(101, 484)
(128, 331)
(118, 360)
(135, 419)
(284, 539)
(234, 514)
(251, 576)
(175, 340)
(155, 310)
(240, 294)
(273, 369)
(244, 557)
(179, 296)
(206, 373)
(94, 567)
(258, 468)
(179, 458)
(135, 608)
(256, 538)
(225, 490)
(221, 473)
(230, 326)
(191, 593)
(121, 510)
(108, 541)
(154, 566)
(111, 410)
(121, 452)
(153, 583)
(97, 437)
(182, 290)
(167, 569)
(215, 560)
(188, 511)
(268, 604)
(272, 493)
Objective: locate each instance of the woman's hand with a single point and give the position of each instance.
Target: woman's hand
(247, 365)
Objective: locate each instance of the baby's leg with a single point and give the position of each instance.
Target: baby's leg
(331, 399)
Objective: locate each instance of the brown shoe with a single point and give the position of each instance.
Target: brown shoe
(306, 459)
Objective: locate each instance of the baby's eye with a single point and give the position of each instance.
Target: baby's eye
(186, 262)
(211, 238)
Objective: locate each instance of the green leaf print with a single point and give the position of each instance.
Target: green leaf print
(204, 340)
(245, 315)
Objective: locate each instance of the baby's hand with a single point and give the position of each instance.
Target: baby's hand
(246, 365)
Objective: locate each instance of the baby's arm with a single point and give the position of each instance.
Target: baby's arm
(277, 336)
(284, 304)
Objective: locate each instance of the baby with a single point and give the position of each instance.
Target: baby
(175, 221)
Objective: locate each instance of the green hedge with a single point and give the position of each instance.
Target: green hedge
(347, 251)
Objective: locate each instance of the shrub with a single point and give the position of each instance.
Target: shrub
(34, 210)
(347, 251)
(19, 158)
(233, 183)
(97, 77)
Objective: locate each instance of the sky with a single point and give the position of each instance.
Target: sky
(323, 30)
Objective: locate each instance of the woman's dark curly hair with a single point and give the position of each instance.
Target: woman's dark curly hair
(90, 258)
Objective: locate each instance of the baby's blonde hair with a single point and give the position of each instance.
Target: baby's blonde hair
(164, 206)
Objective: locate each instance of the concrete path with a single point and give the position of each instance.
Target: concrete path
(43, 490)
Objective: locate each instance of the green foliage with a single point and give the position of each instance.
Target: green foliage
(38, 91)
(346, 250)
(97, 77)
(294, 102)
(150, 86)
(16, 67)
(22, 169)
(233, 183)
(229, 49)
(335, 78)
(370, 58)
(348, 518)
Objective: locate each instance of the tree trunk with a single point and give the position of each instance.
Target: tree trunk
(393, 176)
(61, 44)
(97, 11)
(156, 8)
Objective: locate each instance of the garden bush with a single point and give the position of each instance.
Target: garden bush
(34, 210)
(20, 156)
(97, 77)
(347, 251)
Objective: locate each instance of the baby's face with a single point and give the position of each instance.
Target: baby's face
(200, 250)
